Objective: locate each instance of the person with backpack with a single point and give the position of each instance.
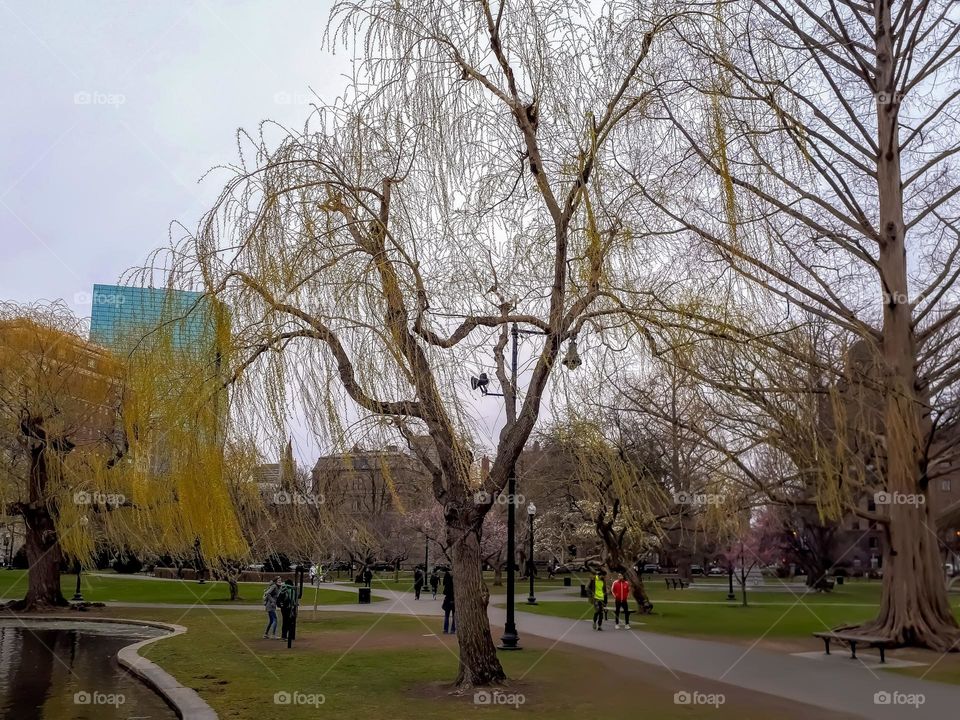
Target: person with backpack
(270, 596)
(287, 602)
(434, 582)
(597, 592)
(621, 598)
(449, 607)
(417, 581)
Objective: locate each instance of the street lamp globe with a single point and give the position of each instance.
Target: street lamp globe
(531, 509)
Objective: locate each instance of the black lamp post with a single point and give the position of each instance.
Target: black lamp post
(426, 556)
(531, 513)
(510, 639)
(730, 595)
(78, 596)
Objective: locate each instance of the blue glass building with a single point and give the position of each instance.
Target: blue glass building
(125, 318)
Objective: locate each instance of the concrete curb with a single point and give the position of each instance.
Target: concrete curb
(185, 701)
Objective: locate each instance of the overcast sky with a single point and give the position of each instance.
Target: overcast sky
(112, 111)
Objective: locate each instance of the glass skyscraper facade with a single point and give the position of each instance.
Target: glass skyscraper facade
(123, 318)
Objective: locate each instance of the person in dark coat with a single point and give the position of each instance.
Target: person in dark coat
(287, 602)
(449, 608)
(434, 582)
(417, 581)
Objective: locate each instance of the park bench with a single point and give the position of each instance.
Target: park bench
(676, 582)
(853, 639)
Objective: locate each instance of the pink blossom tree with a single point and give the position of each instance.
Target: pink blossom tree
(753, 546)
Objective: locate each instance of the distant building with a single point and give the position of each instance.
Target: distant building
(273, 478)
(372, 482)
(123, 318)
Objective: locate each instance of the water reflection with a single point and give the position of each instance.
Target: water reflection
(69, 671)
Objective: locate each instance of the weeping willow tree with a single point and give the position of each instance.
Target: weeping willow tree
(624, 485)
(831, 192)
(102, 451)
(465, 185)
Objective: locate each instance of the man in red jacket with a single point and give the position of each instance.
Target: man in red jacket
(621, 594)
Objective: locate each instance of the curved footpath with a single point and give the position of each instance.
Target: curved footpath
(834, 683)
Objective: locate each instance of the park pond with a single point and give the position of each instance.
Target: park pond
(68, 670)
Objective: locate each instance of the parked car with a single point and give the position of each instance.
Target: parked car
(696, 569)
(381, 566)
(650, 568)
(717, 570)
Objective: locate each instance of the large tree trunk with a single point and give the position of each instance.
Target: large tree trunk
(914, 607)
(638, 589)
(615, 560)
(42, 541)
(479, 664)
(43, 558)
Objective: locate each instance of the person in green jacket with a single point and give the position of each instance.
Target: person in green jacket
(287, 602)
(597, 591)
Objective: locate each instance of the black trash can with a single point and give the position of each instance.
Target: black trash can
(583, 590)
(566, 582)
(364, 596)
(839, 579)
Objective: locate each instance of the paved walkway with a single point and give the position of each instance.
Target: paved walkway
(835, 683)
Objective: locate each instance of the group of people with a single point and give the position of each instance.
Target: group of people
(420, 579)
(448, 605)
(282, 596)
(597, 593)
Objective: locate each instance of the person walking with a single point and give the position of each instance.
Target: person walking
(417, 581)
(287, 602)
(449, 608)
(434, 582)
(367, 576)
(621, 598)
(270, 596)
(598, 596)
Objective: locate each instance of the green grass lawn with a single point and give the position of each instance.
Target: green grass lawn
(130, 588)
(396, 667)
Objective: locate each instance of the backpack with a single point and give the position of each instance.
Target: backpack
(284, 600)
